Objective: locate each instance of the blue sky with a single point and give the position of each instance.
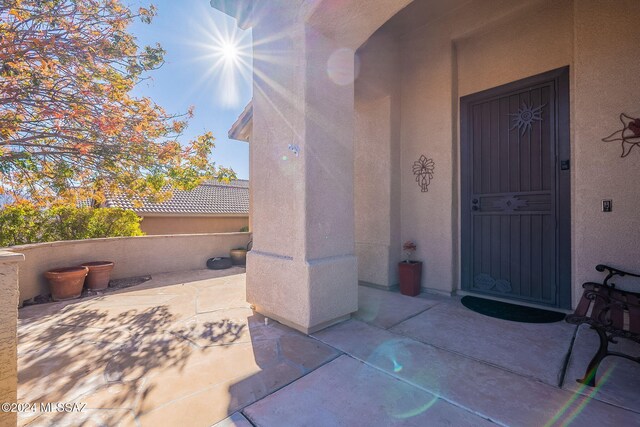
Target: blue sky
(195, 72)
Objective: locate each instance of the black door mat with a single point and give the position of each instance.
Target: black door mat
(513, 312)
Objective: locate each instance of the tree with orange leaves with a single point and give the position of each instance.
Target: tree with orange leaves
(69, 126)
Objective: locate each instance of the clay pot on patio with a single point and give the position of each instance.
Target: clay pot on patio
(99, 274)
(410, 273)
(66, 283)
(238, 256)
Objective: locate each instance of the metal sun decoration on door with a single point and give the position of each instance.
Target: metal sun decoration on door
(525, 117)
(423, 170)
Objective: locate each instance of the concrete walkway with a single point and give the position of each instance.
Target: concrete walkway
(185, 349)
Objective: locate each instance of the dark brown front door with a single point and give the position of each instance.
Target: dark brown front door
(515, 201)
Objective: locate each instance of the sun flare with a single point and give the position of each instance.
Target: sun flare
(227, 50)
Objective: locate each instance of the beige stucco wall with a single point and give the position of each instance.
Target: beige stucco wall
(174, 224)
(377, 159)
(607, 83)
(133, 256)
(9, 264)
(478, 47)
(533, 40)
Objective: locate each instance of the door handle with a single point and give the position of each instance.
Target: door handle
(474, 208)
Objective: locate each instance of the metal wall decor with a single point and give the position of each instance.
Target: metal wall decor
(629, 135)
(423, 170)
(295, 149)
(485, 282)
(526, 115)
(510, 203)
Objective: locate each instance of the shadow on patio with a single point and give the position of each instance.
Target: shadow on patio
(185, 349)
(160, 353)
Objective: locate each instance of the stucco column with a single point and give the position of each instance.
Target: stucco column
(8, 333)
(302, 270)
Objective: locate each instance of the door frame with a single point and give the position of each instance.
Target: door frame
(560, 77)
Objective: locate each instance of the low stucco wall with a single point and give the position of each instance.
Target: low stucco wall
(8, 332)
(162, 225)
(133, 256)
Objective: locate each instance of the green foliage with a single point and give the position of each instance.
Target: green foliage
(23, 223)
(244, 229)
(111, 222)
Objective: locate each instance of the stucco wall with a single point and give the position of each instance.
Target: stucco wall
(372, 201)
(159, 225)
(9, 263)
(607, 83)
(429, 109)
(376, 163)
(133, 256)
(426, 129)
(536, 39)
(478, 47)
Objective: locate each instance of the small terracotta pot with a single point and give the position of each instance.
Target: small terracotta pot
(99, 274)
(66, 283)
(238, 256)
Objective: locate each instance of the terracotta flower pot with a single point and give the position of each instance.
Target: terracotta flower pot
(99, 274)
(238, 256)
(410, 277)
(66, 283)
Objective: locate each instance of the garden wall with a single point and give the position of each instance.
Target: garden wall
(133, 256)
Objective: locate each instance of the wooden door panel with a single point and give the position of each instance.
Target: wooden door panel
(510, 212)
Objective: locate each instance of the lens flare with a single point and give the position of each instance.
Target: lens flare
(395, 356)
(563, 417)
(227, 50)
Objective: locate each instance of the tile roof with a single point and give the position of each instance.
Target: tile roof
(211, 197)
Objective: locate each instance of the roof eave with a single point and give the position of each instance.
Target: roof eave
(241, 10)
(242, 128)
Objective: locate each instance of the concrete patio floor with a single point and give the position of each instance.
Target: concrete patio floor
(186, 349)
